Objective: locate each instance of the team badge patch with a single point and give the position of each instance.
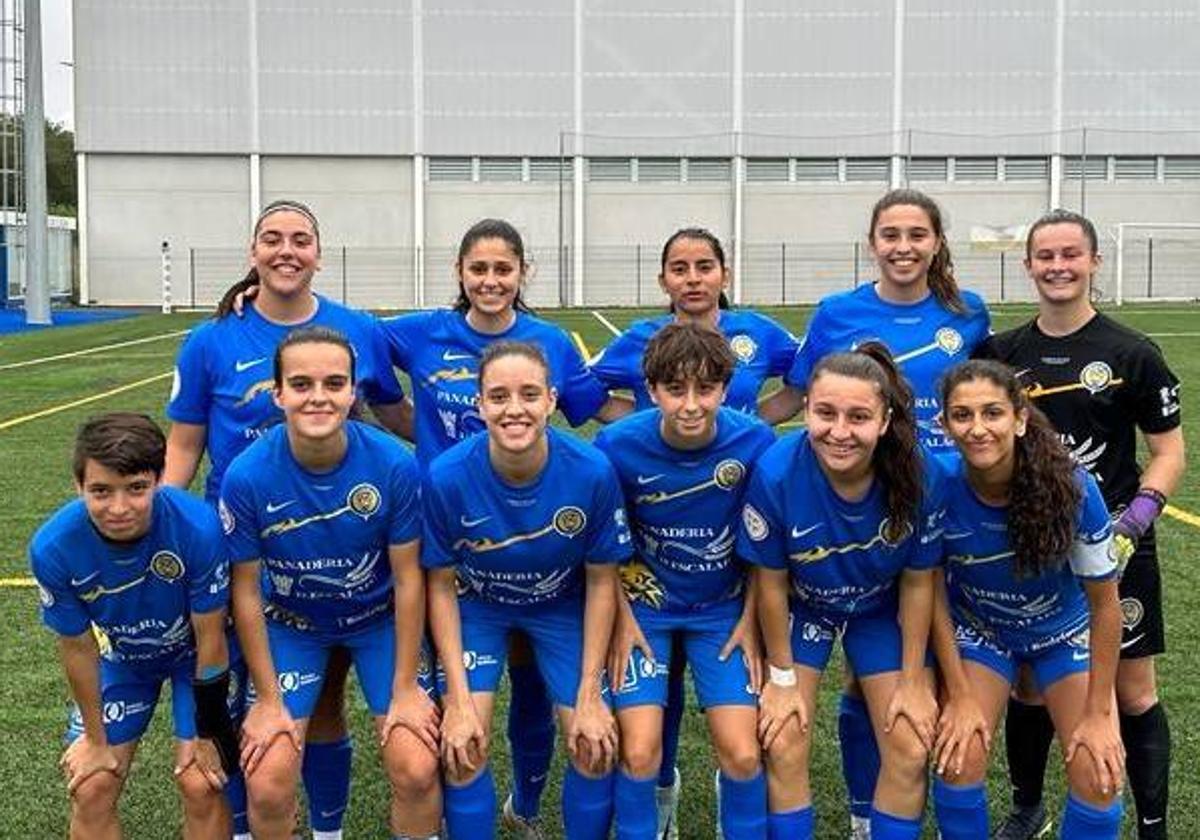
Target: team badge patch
(166, 566)
(569, 521)
(227, 521)
(1095, 376)
(756, 525)
(948, 340)
(1132, 612)
(729, 473)
(363, 500)
(743, 347)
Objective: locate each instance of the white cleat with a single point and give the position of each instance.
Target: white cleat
(667, 805)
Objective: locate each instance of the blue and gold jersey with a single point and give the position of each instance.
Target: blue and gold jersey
(440, 351)
(524, 545)
(926, 340)
(223, 376)
(140, 594)
(1029, 613)
(323, 538)
(683, 507)
(839, 560)
(762, 348)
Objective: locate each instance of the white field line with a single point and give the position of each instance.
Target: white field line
(90, 350)
(606, 322)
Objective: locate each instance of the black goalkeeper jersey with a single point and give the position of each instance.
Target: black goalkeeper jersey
(1098, 386)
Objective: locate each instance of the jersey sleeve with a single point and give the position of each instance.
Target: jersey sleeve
(208, 581)
(1157, 403)
(619, 364)
(401, 335)
(580, 391)
(783, 346)
(62, 611)
(437, 541)
(379, 383)
(931, 518)
(1091, 556)
(762, 536)
(404, 521)
(191, 394)
(812, 349)
(608, 528)
(239, 519)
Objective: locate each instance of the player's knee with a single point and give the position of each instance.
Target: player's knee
(974, 765)
(97, 795)
(788, 755)
(411, 767)
(197, 795)
(1136, 696)
(271, 788)
(640, 757)
(902, 752)
(740, 759)
(1081, 779)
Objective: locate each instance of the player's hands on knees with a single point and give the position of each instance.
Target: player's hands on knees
(592, 734)
(961, 719)
(464, 741)
(1099, 735)
(202, 754)
(776, 705)
(265, 722)
(84, 758)
(412, 709)
(746, 637)
(242, 298)
(627, 635)
(913, 699)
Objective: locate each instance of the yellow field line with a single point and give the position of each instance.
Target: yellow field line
(1182, 515)
(17, 583)
(17, 421)
(587, 354)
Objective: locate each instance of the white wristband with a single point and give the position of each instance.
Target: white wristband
(782, 677)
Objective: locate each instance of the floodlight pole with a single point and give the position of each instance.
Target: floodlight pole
(37, 281)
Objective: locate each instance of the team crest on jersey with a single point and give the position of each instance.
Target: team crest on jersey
(640, 584)
(227, 521)
(1132, 612)
(167, 566)
(1096, 376)
(744, 347)
(948, 340)
(569, 520)
(364, 500)
(729, 473)
(756, 525)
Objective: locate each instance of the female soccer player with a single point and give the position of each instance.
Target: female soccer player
(846, 517)
(325, 555)
(683, 469)
(528, 525)
(144, 565)
(1031, 581)
(1099, 383)
(221, 403)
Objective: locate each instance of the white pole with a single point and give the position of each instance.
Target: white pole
(739, 157)
(418, 160)
(1120, 264)
(37, 280)
(85, 292)
(897, 93)
(1056, 159)
(578, 233)
(166, 277)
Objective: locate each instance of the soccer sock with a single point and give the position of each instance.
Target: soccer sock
(961, 810)
(791, 825)
(1081, 820)
(860, 753)
(326, 773)
(743, 807)
(1147, 739)
(470, 809)
(235, 793)
(1028, 733)
(636, 818)
(587, 805)
(888, 827)
(530, 737)
(336, 834)
(672, 723)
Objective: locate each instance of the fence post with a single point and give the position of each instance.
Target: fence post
(1002, 298)
(783, 270)
(1150, 266)
(856, 264)
(192, 276)
(343, 274)
(638, 259)
(166, 277)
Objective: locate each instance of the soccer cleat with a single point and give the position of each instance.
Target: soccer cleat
(717, 788)
(525, 828)
(667, 805)
(1025, 823)
(860, 828)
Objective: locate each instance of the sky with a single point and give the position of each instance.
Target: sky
(56, 49)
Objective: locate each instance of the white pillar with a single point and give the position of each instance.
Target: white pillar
(81, 201)
(739, 156)
(1056, 159)
(897, 178)
(418, 158)
(578, 231)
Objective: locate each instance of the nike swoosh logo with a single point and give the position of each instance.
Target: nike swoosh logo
(241, 366)
(647, 479)
(272, 508)
(471, 523)
(81, 581)
(797, 533)
(1151, 820)
(447, 356)
(1132, 641)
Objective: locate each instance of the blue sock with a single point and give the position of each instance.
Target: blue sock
(587, 805)
(326, 774)
(888, 827)
(961, 810)
(791, 825)
(530, 737)
(672, 723)
(1081, 820)
(860, 754)
(743, 807)
(634, 807)
(235, 793)
(470, 810)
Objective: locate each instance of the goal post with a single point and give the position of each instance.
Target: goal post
(1123, 232)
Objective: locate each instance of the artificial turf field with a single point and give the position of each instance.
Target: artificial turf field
(42, 403)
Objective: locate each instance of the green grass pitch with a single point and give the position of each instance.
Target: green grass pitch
(35, 479)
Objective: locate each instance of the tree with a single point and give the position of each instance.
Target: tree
(60, 170)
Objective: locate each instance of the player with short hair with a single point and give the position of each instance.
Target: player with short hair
(1100, 383)
(143, 565)
(1030, 582)
(524, 527)
(324, 554)
(683, 468)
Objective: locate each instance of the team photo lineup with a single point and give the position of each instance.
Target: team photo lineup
(967, 513)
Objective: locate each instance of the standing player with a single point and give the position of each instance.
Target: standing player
(325, 555)
(221, 403)
(143, 564)
(846, 518)
(1031, 583)
(683, 469)
(524, 526)
(1099, 383)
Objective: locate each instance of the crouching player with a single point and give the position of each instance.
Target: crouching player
(683, 468)
(142, 563)
(323, 522)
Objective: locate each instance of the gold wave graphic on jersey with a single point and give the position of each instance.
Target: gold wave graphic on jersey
(263, 386)
(821, 552)
(100, 591)
(1037, 389)
(484, 544)
(451, 375)
(666, 496)
(292, 523)
(640, 584)
(979, 560)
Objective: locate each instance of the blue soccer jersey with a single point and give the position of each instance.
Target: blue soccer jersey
(440, 352)
(762, 348)
(684, 507)
(140, 594)
(524, 545)
(926, 340)
(224, 377)
(840, 563)
(1028, 613)
(323, 537)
